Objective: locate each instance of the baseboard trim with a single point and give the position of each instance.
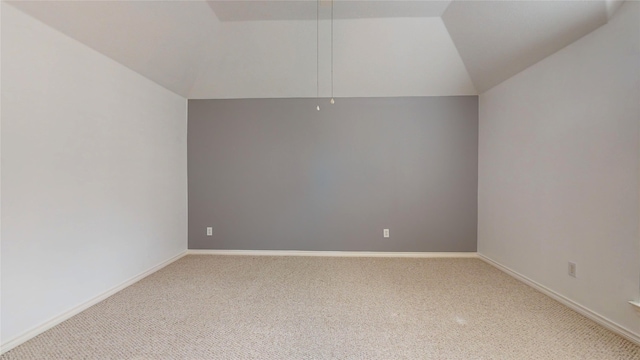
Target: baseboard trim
(33, 332)
(588, 313)
(334, 253)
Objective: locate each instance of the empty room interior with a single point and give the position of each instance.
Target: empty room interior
(332, 179)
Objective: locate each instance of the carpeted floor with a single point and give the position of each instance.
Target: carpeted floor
(236, 307)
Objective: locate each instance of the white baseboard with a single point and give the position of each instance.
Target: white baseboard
(33, 332)
(590, 314)
(334, 253)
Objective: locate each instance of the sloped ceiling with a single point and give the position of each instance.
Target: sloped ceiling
(498, 39)
(306, 10)
(267, 49)
(372, 57)
(162, 40)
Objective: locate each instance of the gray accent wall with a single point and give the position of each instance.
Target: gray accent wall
(275, 174)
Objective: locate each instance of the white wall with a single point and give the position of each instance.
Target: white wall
(558, 170)
(372, 58)
(93, 174)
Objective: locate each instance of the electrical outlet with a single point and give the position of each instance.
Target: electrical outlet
(209, 231)
(572, 269)
(385, 233)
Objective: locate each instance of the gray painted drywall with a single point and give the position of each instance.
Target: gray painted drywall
(275, 174)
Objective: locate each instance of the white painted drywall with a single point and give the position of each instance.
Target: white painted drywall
(498, 39)
(93, 173)
(267, 49)
(558, 170)
(372, 58)
(161, 40)
(612, 6)
(183, 46)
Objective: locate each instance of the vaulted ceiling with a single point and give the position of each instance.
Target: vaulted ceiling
(267, 49)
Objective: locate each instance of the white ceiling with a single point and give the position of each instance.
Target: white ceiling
(266, 49)
(498, 39)
(162, 40)
(372, 57)
(244, 10)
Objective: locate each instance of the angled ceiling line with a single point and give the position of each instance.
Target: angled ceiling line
(184, 47)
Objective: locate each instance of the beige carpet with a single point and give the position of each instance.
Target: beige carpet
(233, 307)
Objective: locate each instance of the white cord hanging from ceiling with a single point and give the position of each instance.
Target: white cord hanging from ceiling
(332, 101)
(318, 54)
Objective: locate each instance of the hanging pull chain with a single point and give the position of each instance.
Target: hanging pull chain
(332, 101)
(318, 54)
